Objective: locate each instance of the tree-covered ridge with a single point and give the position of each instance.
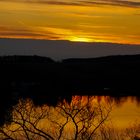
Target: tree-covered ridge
(24, 59)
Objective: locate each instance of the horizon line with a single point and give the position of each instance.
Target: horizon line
(84, 42)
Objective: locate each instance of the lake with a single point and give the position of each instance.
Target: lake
(85, 117)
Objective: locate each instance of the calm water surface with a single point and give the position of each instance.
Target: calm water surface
(125, 110)
(101, 117)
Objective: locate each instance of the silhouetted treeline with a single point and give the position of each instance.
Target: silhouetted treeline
(24, 60)
(116, 74)
(47, 81)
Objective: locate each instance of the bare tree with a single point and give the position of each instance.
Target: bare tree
(79, 120)
(25, 123)
(84, 116)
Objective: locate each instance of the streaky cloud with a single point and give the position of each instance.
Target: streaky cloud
(125, 3)
(113, 3)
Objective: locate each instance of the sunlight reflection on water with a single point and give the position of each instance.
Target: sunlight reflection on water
(85, 117)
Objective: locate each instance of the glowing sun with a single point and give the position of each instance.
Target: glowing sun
(80, 39)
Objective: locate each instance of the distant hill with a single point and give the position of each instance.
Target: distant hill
(106, 59)
(115, 73)
(24, 59)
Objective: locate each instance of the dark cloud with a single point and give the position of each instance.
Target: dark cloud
(112, 2)
(125, 3)
(59, 2)
(26, 33)
(64, 49)
(96, 2)
(53, 2)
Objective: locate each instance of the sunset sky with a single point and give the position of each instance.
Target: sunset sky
(113, 21)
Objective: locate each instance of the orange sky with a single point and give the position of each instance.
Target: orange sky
(115, 21)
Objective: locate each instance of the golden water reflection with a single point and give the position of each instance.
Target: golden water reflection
(125, 111)
(86, 117)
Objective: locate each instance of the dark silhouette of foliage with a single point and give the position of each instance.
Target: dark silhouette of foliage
(46, 81)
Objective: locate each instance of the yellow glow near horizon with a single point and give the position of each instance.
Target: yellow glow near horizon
(80, 39)
(61, 21)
